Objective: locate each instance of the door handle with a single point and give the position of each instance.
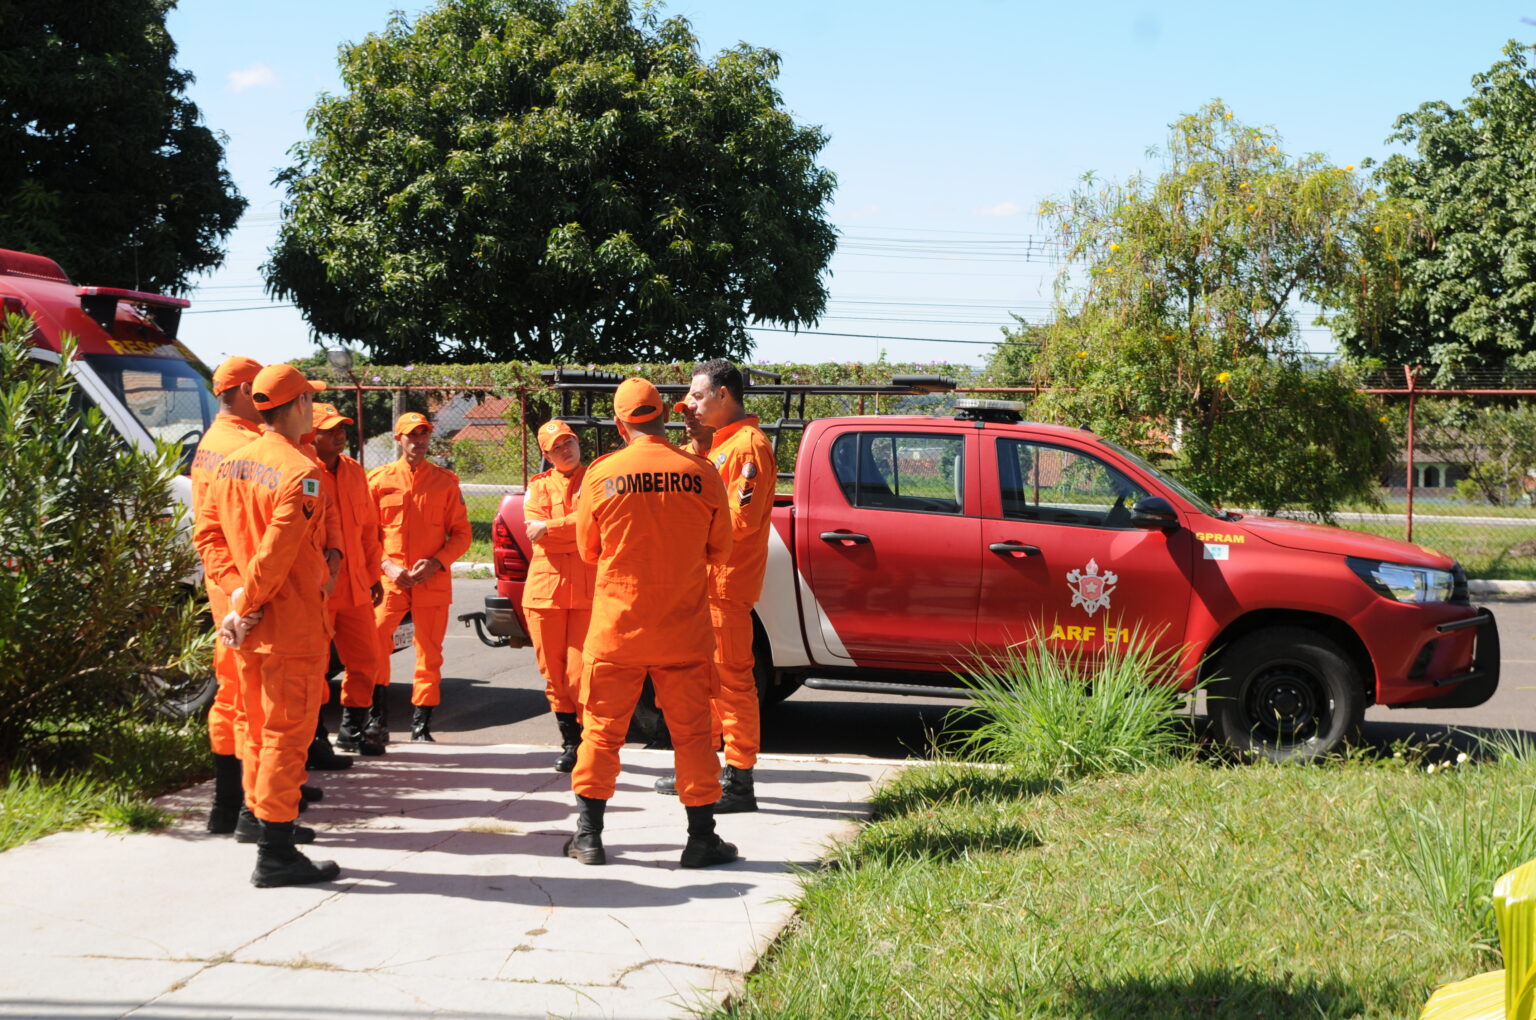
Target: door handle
(844, 538)
(1015, 549)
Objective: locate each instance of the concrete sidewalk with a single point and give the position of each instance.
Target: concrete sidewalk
(454, 900)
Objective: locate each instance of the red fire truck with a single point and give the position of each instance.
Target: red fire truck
(912, 544)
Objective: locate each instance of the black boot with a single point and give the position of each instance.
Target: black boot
(310, 795)
(278, 863)
(352, 735)
(227, 794)
(377, 727)
(248, 829)
(586, 845)
(570, 740)
(421, 724)
(704, 846)
(736, 792)
(322, 757)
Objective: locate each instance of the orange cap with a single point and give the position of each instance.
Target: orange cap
(327, 417)
(637, 400)
(409, 422)
(234, 371)
(551, 432)
(276, 385)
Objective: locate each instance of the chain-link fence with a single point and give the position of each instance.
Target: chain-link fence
(1461, 483)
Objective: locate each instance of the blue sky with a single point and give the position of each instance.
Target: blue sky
(948, 124)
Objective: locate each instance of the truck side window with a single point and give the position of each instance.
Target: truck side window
(1056, 485)
(886, 471)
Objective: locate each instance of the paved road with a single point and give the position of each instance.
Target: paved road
(496, 696)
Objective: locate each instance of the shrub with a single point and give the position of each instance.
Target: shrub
(1063, 715)
(94, 620)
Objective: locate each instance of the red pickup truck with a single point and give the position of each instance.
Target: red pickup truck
(912, 544)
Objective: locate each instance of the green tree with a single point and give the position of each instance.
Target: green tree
(1467, 297)
(94, 622)
(554, 181)
(1494, 445)
(105, 165)
(1176, 320)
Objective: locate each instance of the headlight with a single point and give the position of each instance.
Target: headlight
(1403, 583)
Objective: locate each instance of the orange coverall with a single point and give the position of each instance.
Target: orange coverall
(653, 518)
(227, 434)
(263, 533)
(421, 516)
(351, 604)
(749, 470)
(557, 597)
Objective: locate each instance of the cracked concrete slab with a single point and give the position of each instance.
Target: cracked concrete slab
(454, 899)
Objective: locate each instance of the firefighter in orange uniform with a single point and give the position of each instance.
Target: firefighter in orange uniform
(235, 425)
(653, 518)
(321, 755)
(557, 598)
(359, 588)
(262, 539)
(424, 529)
(722, 429)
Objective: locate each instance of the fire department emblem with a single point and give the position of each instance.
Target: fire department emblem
(1090, 589)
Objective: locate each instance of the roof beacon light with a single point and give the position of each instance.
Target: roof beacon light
(1004, 411)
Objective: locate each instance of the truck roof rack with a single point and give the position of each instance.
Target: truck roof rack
(577, 388)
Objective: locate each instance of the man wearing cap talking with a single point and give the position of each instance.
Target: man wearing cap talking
(261, 540)
(557, 598)
(235, 425)
(424, 528)
(358, 589)
(654, 519)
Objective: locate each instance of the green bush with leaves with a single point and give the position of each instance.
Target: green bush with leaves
(95, 622)
(1176, 325)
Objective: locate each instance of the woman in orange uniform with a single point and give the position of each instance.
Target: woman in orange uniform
(557, 598)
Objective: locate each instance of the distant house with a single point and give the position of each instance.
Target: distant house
(489, 422)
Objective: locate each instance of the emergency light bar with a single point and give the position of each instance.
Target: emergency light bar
(100, 303)
(975, 409)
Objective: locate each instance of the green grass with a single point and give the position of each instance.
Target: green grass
(1195, 889)
(106, 776)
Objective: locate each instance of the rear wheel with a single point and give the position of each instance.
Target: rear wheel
(1286, 693)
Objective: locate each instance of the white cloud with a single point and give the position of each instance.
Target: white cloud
(258, 75)
(1008, 208)
(863, 212)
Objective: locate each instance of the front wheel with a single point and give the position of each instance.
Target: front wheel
(1286, 693)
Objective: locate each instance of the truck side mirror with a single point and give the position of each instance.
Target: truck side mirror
(1155, 513)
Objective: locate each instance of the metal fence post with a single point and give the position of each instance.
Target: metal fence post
(1411, 373)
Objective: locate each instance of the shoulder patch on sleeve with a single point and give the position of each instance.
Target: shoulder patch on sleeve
(311, 486)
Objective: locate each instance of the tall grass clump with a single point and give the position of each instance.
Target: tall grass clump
(1064, 715)
(1453, 848)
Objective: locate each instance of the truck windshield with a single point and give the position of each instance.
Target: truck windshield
(1165, 478)
(171, 398)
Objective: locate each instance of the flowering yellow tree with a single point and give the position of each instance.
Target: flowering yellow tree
(1176, 321)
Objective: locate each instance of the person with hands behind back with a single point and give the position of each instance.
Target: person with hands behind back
(424, 528)
(557, 598)
(261, 539)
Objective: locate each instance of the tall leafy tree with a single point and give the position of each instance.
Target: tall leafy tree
(552, 180)
(105, 164)
(1467, 299)
(1176, 327)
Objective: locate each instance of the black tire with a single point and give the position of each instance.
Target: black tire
(181, 697)
(1286, 693)
(773, 686)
